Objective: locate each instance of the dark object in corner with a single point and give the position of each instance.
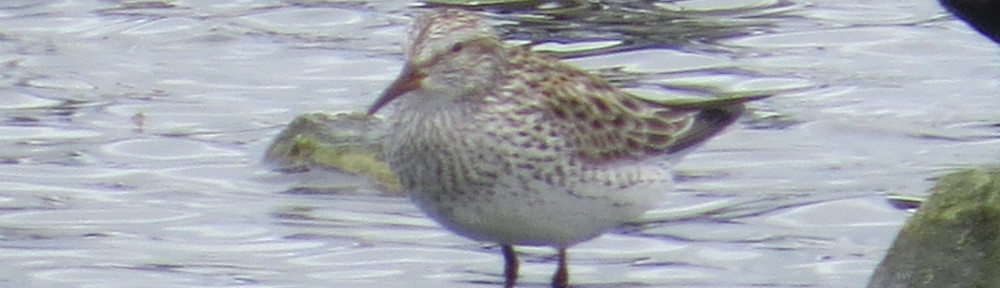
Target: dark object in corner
(984, 15)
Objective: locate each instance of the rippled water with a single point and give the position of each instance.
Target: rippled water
(132, 133)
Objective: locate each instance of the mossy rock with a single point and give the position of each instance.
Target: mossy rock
(953, 240)
(344, 141)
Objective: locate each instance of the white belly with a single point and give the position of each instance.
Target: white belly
(489, 187)
(520, 211)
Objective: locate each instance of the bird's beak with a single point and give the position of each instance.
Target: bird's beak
(410, 79)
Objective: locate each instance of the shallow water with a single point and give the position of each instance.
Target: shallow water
(132, 132)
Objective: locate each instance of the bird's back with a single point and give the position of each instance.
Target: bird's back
(602, 123)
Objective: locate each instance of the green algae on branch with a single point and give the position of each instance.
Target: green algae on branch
(345, 141)
(952, 239)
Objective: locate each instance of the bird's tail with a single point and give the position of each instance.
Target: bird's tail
(712, 116)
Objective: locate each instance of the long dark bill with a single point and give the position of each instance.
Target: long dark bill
(407, 81)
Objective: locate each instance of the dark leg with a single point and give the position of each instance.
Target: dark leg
(561, 279)
(510, 266)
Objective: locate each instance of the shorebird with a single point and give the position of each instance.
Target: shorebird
(501, 144)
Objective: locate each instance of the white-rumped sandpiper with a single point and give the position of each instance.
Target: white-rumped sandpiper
(502, 144)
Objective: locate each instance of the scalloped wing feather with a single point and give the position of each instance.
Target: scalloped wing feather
(607, 124)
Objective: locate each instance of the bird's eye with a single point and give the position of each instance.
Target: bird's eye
(457, 47)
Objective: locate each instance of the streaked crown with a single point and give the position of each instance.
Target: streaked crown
(431, 32)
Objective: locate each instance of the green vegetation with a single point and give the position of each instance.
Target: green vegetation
(346, 142)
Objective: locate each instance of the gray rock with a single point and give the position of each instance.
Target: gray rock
(953, 240)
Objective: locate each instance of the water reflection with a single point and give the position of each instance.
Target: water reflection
(639, 25)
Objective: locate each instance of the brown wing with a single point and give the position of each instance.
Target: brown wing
(607, 124)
